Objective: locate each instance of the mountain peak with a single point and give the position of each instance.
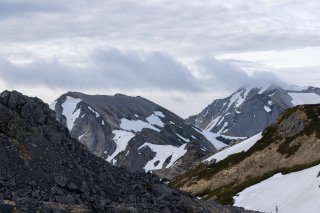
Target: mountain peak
(258, 105)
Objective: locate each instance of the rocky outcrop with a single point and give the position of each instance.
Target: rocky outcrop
(257, 106)
(43, 169)
(290, 144)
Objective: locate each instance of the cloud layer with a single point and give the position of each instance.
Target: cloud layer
(112, 68)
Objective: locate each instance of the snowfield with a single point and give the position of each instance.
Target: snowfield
(297, 192)
(240, 147)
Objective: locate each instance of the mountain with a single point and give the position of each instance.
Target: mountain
(251, 109)
(278, 169)
(43, 169)
(133, 132)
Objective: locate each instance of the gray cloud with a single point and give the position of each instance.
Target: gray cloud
(224, 74)
(114, 69)
(174, 27)
(109, 68)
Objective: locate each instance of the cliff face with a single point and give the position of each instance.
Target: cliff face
(42, 168)
(291, 144)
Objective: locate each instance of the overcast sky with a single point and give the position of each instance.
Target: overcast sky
(180, 54)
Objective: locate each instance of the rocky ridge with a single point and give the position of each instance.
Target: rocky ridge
(258, 106)
(42, 168)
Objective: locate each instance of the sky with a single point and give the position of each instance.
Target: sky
(179, 54)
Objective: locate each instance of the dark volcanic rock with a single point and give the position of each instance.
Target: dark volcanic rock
(43, 169)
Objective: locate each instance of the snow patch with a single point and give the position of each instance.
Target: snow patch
(136, 125)
(159, 114)
(212, 137)
(155, 120)
(295, 192)
(223, 128)
(162, 153)
(212, 123)
(92, 110)
(267, 109)
(81, 136)
(121, 139)
(240, 147)
(69, 110)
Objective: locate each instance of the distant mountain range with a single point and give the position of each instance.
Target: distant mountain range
(133, 132)
(251, 109)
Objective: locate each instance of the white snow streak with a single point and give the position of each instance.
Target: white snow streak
(69, 111)
(240, 147)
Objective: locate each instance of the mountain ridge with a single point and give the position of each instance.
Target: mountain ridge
(44, 169)
(132, 132)
(259, 106)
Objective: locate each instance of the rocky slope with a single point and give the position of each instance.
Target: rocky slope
(257, 106)
(133, 132)
(291, 144)
(43, 169)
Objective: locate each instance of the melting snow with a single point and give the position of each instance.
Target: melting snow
(92, 110)
(240, 147)
(136, 125)
(159, 114)
(223, 128)
(121, 139)
(213, 123)
(69, 112)
(304, 98)
(297, 192)
(267, 109)
(162, 153)
(80, 137)
(212, 137)
(155, 120)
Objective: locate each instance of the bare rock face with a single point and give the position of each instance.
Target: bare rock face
(130, 132)
(43, 169)
(251, 109)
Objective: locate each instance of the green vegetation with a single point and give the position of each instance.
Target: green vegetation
(225, 194)
(288, 146)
